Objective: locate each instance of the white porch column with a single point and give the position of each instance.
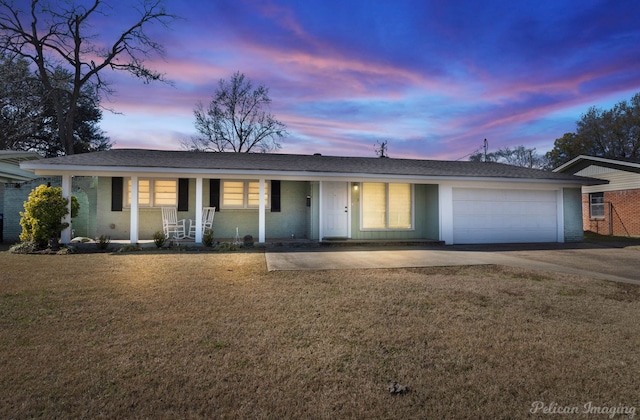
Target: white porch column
(560, 215)
(445, 208)
(133, 224)
(198, 238)
(65, 236)
(261, 213)
(320, 212)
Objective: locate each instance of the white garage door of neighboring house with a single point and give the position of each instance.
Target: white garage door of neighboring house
(504, 216)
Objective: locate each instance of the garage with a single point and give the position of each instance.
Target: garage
(504, 216)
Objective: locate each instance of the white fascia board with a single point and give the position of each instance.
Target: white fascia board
(502, 184)
(14, 172)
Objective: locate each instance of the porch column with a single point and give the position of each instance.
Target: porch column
(320, 215)
(261, 213)
(198, 238)
(133, 224)
(65, 236)
(560, 215)
(445, 208)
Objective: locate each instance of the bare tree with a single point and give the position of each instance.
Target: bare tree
(380, 148)
(54, 35)
(518, 156)
(236, 120)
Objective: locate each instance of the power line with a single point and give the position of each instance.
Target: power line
(484, 146)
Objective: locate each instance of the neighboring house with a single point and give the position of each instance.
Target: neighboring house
(275, 196)
(11, 175)
(612, 208)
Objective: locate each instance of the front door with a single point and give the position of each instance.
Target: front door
(335, 209)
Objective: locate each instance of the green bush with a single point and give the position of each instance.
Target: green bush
(159, 238)
(207, 238)
(42, 217)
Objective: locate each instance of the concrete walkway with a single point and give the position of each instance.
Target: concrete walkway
(604, 263)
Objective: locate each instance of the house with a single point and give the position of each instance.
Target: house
(10, 176)
(612, 208)
(322, 198)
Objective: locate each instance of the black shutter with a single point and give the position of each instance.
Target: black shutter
(275, 196)
(183, 194)
(214, 193)
(117, 193)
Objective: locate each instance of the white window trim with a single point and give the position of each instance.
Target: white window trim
(245, 195)
(125, 191)
(601, 205)
(388, 229)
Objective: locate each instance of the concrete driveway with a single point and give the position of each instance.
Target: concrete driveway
(603, 260)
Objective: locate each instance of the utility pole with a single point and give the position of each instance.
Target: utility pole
(486, 146)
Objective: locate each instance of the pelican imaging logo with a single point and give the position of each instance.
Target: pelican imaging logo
(611, 411)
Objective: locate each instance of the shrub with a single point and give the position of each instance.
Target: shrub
(43, 213)
(207, 238)
(159, 238)
(23, 248)
(248, 240)
(103, 242)
(130, 248)
(226, 246)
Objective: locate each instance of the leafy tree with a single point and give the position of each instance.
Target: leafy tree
(52, 34)
(27, 118)
(43, 213)
(236, 119)
(518, 156)
(611, 133)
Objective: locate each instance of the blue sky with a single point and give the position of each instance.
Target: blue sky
(433, 78)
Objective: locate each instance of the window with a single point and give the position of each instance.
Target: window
(386, 206)
(165, 192)
(596, 205)
(243, 194)
(154, 193)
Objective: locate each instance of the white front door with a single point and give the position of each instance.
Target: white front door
(335, 209)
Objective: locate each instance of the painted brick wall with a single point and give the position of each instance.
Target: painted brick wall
(14, 197)
(622, 214)
(16, 194)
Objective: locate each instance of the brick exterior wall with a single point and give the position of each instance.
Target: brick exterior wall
(621, 214)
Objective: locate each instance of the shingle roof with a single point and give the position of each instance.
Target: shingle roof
(581, 162)
(141, 158)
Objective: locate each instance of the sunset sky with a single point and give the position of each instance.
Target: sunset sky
(433, 78)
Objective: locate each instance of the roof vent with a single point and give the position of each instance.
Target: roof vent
(317, 154)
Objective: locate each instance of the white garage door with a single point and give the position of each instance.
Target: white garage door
(504, 216)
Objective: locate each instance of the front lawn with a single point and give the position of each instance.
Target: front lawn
(215, 335)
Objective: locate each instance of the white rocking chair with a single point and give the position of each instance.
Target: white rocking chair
(172, 227)
(207, 222)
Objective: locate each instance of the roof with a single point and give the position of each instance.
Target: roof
(583, 161)
(10, 165)
(142, 160)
